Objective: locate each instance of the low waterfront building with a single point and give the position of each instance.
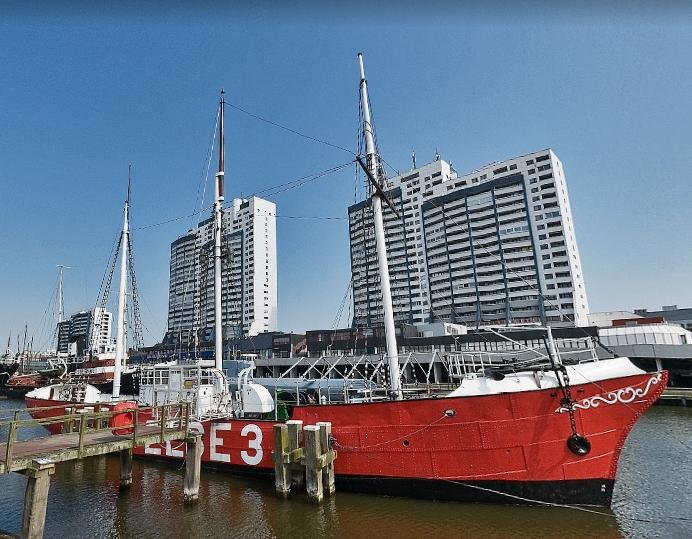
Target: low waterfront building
(652, 342)
(672, 314)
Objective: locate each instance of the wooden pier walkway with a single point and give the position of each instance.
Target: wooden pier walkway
(676, 395)
(88, 431)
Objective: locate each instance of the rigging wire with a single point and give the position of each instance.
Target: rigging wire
(289, 129)
(319, 217)
(44, 340)
(192, 272)
(269, 191)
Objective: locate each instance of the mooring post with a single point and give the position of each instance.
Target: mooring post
(295, 433)
(125, 468)
(67, 425)
(330, 455)
(36, 498)
(193, 465)
(282, 476)
(313, 465)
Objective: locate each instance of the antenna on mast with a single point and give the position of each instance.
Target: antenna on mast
(61, 297)
(129, 182)
(222, 145)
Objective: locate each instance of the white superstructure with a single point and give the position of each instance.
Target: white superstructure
(249, 282)
(474, 249)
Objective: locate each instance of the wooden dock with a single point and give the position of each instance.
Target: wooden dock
(681, 396)
(88, 431)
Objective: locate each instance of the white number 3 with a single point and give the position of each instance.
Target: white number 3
(256, 444)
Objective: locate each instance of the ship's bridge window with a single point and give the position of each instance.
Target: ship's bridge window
(161, 377)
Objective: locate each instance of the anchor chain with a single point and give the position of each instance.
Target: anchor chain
(578, 444)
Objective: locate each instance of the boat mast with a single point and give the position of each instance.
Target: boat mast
(61, 298)
(373, 166)
(218, 222)
(122, 300)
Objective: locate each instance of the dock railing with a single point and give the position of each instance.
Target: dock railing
(86, 430)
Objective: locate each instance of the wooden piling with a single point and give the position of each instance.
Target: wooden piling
(328, 469)
(68, 425)
(313, 468)
(36, 498)
(282, 475)
(193, 465)
(295, 435)
(125, 468)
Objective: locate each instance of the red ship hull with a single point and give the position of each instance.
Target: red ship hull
(506, 448)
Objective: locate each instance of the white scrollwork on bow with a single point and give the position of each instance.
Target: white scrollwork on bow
(624, 396)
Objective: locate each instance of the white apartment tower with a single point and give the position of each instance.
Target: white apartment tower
(249, 289)
(494, 246)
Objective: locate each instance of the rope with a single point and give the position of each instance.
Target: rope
(413, 433)
(563, 505)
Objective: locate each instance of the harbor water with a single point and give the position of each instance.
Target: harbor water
(653, 498)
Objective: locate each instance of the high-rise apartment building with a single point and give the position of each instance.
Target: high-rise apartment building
(249, 290)
(494, 246)
(85, 331)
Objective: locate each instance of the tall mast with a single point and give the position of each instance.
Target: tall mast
(120, 345)
(218, 202)
(61, 299)
(373, 166)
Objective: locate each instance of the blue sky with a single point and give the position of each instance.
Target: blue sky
(85, 92)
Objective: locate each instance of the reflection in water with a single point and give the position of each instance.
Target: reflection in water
(85, 502)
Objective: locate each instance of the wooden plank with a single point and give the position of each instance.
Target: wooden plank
(64, 447)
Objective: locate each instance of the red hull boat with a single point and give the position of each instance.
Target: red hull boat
(505, 448)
